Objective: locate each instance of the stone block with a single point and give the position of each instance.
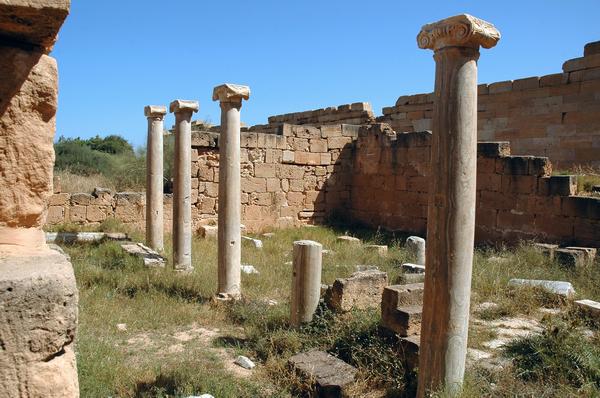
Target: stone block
(591, 48)
(590, 308)
(381, 250)
(546, 249)
(575, 257)
(56, 215)
(361, 290)
(416, 246)
(559, 185)
(411, 346)
(150, 258)
(38, 308)
(331, 376)
(409, 268)
(527, 83)
(59, 199)
(404, 320)
(348, 239)
(493, 149)
(560, 288)
(500, 87)
(208, 231)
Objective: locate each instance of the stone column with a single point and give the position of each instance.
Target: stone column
(306, 281)
(38, 294)
(182, 187)
(451, 215)
(154, 177)
(230, 208)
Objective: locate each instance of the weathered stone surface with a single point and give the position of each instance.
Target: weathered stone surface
(208, 231)
(38, 323)
(381, 250)
(400, 308)
(32, 23)
(460, 30)
(331, 375)
(590, 308)
(575, 257)
(413, 268)
(411, 346)
(348, 239)
(546, 249)
(360, 291)
(26, 138)
(150, 257)
(231, 92)
(416, 247)
(561, 288)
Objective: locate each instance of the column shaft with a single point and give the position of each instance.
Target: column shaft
(450, 221)
(182, 193)
(154, 184)
(306, 281)
(230, 250)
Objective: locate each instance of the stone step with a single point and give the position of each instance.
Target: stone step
(575, 257)
(401, 309)
(330, 376)
(362, 290)
(411, 347)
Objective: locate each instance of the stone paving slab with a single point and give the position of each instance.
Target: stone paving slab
(331, 374)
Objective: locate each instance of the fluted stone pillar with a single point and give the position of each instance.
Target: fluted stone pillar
(154, 177)
(182, 187)
(230, 97)
(451, 215)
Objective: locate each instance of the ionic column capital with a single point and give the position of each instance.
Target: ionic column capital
(155, 111)
(184, 106)
(458, 31)
(231, 93)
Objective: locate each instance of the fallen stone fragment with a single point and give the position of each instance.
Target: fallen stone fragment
(348, 239)
(411, 346)
(410, 268)
(547, 249)
(256, 242)
(72, 237)
(327, 252)
(366, 268)
(150, 257)
(589, 307)
(381, 250)
(116, 236)
(208, 231)
(575, 257)
(401, 308)
(561, 288)
(416, 247)
(331, 376)
(122, 327)
(268, 235)
(361, 290)
(244, 362)
(38, 300)
(248, 269)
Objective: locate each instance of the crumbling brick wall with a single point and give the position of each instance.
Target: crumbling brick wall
(554, 115)
(517, 198)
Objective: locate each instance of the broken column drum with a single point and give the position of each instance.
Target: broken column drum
(306, 281)
(230, 97)
(451, 212)
(154, 177)
(182, 187)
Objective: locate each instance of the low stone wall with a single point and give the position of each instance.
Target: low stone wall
(516, 196)
(554, 115)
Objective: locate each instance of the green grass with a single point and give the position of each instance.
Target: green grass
(157, 304)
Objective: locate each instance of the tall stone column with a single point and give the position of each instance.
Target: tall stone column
(451, 215)
(230, 97)
(182, 187)
(154, 177)
(38, 294)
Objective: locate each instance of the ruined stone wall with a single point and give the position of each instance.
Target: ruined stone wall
(300, 176)
(554, 115)
(516, 196)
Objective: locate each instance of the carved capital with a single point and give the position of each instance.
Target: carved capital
(231, 93)
(459, 31)
(155, 111)
(184, 106)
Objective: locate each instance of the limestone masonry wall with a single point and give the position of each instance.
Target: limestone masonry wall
(369, 174)
(554, 115)
(516, 196)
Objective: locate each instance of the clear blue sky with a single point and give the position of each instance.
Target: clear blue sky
(115, 57)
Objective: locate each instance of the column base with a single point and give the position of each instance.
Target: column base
(38, 324)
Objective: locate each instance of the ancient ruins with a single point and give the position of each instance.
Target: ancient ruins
(436, 165)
